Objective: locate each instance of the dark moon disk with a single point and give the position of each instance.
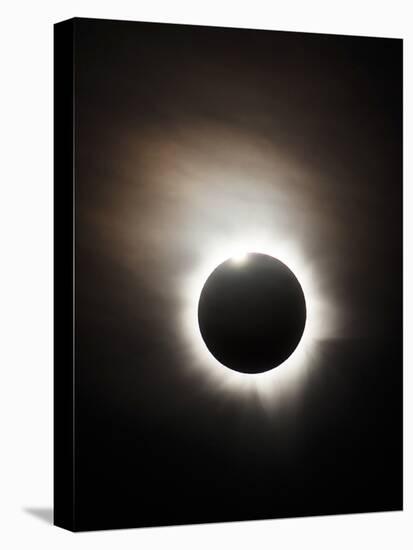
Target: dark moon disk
(252, 313)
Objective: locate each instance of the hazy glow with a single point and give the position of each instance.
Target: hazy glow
(219, 194)
(274, 385)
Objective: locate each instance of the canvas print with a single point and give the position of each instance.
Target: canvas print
(228, 274)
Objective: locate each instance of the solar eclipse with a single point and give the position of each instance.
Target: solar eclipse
(252, 313)
(238, 274)
(277, 381)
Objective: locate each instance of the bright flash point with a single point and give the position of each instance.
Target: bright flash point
(240, 257)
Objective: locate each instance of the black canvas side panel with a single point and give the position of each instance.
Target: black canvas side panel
(64, 482)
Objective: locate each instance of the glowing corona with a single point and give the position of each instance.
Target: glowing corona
(276, 384)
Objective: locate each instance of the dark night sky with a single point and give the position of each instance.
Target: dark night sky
(190, 137)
